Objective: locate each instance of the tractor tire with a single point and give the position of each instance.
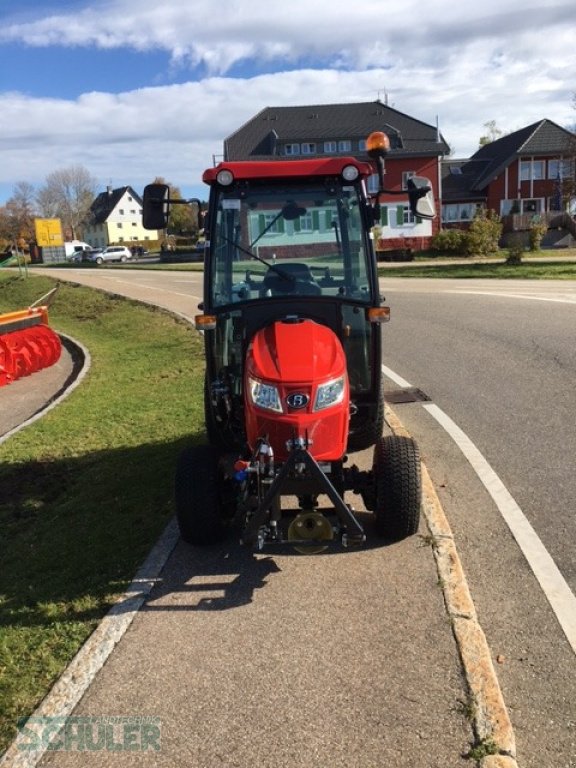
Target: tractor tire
(197, 496)
(368, 430)
(398, 487)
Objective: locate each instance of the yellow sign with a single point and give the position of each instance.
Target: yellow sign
(48, 232)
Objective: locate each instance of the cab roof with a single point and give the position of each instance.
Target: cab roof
(283, 169)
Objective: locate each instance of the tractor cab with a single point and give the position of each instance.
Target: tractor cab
(292, 249)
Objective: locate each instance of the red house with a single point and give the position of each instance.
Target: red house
(416, 149)
(526, 176)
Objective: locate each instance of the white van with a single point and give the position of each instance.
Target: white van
(75, 246)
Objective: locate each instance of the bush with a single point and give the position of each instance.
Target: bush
(449, 241)
(537, 232)
(515, 249)
(484, 234)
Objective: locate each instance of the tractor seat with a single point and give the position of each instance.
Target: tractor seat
(300, 281)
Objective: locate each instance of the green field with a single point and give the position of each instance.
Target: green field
(86, 490)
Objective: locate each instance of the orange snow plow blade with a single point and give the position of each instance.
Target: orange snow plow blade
(27, 344)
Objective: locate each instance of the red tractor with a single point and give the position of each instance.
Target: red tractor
(291, 322)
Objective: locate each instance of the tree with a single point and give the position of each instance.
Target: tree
(183, 219)
(492, 133)
(68, 195)
(17, 216)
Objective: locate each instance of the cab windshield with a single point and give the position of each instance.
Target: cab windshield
(300, 240)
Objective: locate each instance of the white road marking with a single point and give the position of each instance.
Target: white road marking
(555, 588)
(565, 299)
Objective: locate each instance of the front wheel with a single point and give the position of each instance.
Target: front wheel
(197, 496)
(398, 487)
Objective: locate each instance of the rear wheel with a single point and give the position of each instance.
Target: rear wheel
(197, 496)
(398, 487)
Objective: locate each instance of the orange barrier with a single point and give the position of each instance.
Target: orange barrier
(27, 344)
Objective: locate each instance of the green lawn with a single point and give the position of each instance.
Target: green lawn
(86, 490)
(541, 265)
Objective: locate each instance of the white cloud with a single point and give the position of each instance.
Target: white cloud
(514, 65)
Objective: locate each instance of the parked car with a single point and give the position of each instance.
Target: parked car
(111, 253)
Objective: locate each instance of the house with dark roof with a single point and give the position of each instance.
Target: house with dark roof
(526, 174)
(327, 130)
(116, 218)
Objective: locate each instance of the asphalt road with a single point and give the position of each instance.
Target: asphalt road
(348, 659)
(500, 359)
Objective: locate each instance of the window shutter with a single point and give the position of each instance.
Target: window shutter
(400, 215)
(297, 225)
(281, 224)
(384, 216)
(316, 220)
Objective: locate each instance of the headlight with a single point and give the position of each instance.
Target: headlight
(350, 173)
(329, 394)
(225, 177)
(265, 395)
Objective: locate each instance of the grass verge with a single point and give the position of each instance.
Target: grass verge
(85, 491)
(528, 270)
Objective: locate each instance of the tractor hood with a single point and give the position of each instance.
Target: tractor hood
(297, 350)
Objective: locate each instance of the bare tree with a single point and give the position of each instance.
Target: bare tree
(492, 133)
(68, 195)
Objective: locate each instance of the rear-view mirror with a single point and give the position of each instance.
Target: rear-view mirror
(156, 206)
(421, 197)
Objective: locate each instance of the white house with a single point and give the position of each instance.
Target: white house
(117, 218)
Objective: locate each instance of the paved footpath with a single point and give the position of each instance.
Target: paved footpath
(235, 659)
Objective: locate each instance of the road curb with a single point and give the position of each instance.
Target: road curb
(489, 714)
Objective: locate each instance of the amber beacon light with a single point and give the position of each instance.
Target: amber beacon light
(377, 144)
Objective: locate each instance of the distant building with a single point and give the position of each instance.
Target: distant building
(281, 133)
(525, 174)
(116, 217)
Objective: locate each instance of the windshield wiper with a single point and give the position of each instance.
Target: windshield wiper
(279, 271)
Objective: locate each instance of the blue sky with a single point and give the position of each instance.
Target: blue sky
(131, 91)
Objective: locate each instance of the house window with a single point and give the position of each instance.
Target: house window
(372, 184)
(306, 223)
(308, 149)
(345, 146)
(531, 206)
(292, 149)
(330, 146)
(531, 170)
(459, 211)
(121, 211)
(119, 225)
(408, 216)
(271, 223)
(405, 176)
(519, 206)
(362, 145)
(560, 169)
